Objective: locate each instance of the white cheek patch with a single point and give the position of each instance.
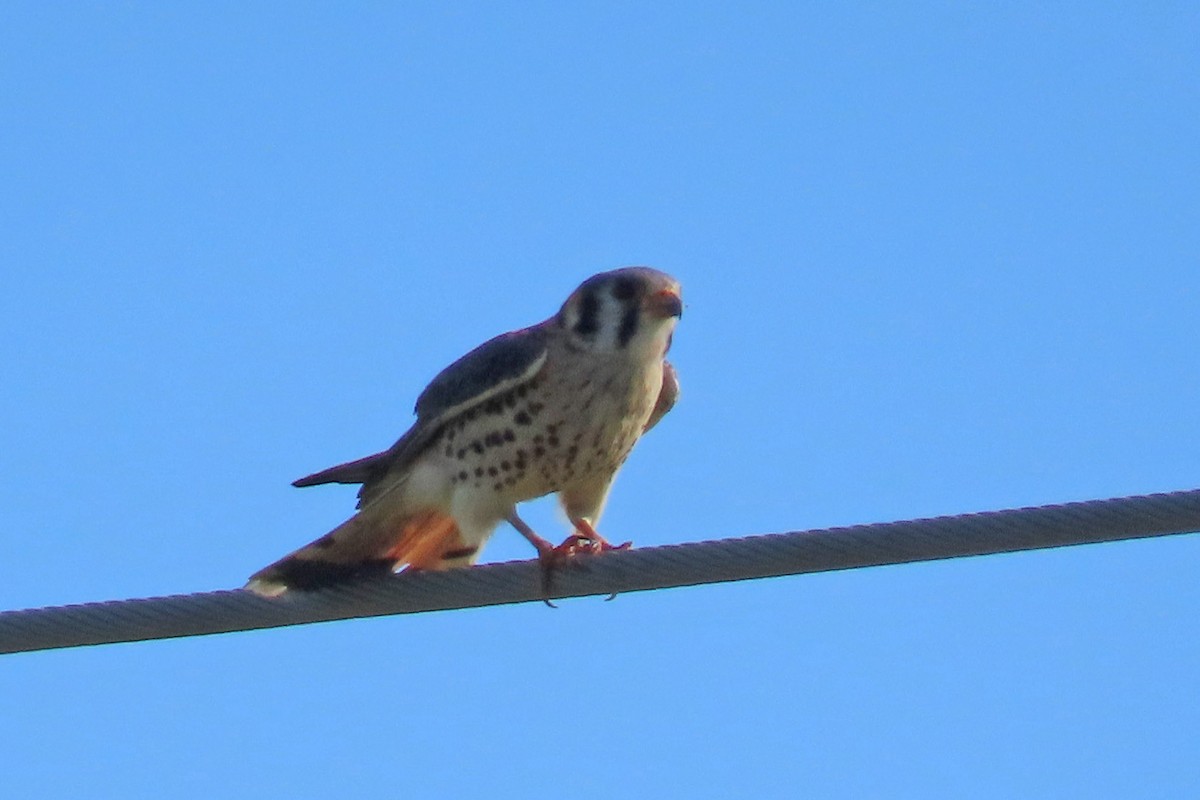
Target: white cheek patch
(610, 324)
(611, 314)
(659, 340)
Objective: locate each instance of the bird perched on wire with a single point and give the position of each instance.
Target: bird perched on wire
(556, 407)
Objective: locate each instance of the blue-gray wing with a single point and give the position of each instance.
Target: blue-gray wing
(493, 368)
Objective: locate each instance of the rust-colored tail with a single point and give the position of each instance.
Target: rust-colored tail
(363, 546)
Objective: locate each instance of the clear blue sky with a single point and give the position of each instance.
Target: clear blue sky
(936, 260)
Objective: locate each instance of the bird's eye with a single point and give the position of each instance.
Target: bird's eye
(624, 289)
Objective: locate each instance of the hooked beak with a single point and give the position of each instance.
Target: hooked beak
(665, 303)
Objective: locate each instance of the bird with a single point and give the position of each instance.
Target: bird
(552, 408)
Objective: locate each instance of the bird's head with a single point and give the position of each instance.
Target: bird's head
(631, 310)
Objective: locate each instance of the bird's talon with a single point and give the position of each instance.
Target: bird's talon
(588, 544)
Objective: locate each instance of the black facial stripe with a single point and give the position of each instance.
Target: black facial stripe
(589, 313)
(629, 325)
(625, 289)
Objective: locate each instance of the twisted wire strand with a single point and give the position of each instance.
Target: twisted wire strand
(715, 561)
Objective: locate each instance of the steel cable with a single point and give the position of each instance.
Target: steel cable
(720, 560)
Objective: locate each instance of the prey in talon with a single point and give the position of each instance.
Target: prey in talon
(552, 408)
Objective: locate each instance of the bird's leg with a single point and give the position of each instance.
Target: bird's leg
(585, 539)
(544, 548)
(548, 555)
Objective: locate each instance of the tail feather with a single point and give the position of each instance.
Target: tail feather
(362, 547)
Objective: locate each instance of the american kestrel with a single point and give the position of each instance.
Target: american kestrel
(556, 407)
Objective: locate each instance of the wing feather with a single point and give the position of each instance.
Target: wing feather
(495, 367)
(666, 396)
(357, 471)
